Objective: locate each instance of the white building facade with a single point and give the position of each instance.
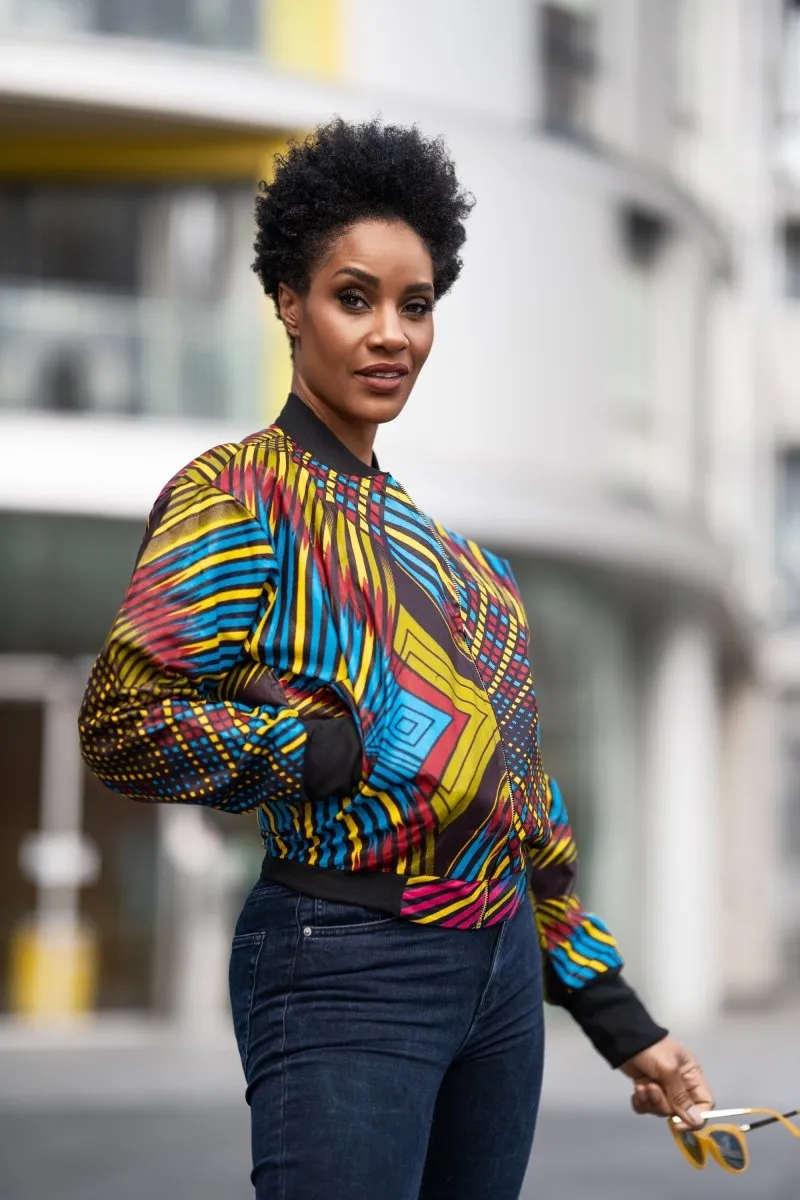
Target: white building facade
(599, 406)
(782, 651)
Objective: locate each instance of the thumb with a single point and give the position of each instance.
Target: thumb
(680, 1099)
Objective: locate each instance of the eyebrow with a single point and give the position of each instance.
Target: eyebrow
(373, 280)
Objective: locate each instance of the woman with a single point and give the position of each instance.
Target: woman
(300, 640)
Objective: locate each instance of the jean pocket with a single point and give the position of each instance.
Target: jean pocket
(245, 952)
(332, 918)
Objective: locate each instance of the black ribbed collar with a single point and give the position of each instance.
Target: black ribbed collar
(310, 433)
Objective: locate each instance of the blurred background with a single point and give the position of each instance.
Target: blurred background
(613, 402)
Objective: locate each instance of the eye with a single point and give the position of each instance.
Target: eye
(353, 301)
(418, 308)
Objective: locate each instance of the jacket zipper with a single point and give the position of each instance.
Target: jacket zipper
(482, 917)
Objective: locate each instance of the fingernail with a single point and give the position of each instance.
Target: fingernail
(695, 1115)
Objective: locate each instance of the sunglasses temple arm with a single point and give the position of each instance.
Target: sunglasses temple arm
(773, 1120)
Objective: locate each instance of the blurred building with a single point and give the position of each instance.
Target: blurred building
(611, 393)
(782, 653)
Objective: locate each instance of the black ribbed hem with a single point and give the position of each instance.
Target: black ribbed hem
(611, 1015)
(373, 889)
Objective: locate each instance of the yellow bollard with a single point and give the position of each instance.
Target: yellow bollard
(53, 968)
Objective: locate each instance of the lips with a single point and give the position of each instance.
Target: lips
(383, 379)
(384, 371)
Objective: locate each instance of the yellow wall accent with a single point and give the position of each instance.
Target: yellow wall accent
(277, 364)
(53, 970)
(305, 36)
(121, 156)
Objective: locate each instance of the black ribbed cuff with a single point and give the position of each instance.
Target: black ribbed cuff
(611, 1015)
(332, 762)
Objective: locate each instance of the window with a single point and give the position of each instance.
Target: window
(127, 300)
(791, 259)
(641, 236)
(635, 289)
(685, 65)
(788, 532)
(217, 24)
(788, 97)
(568, 67)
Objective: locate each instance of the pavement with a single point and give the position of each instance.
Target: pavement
(122, 1110)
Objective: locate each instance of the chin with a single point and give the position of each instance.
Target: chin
(378, 409)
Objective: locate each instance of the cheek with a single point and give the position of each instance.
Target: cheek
(423, 342)
(336, 335)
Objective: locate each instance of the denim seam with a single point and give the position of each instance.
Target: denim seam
(353, 927)
(284, 1073)
(251, 998)
(487, 985)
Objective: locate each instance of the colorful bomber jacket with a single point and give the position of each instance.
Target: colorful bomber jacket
(300, 641)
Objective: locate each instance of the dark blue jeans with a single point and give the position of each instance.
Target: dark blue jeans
(385, 1060)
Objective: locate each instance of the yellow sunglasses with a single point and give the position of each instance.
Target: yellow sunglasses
(727, 1144)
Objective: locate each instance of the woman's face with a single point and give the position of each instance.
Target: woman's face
(364, 329)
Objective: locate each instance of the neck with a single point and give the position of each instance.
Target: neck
(357, 436)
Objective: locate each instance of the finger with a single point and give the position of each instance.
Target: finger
(649, 1100)
(658, 1100)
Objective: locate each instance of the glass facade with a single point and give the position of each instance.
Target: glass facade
(67, 576)
(128, 300)
(583, 659)
(122, 906)
(215, 24)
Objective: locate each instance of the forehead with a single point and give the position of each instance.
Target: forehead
(390, 250)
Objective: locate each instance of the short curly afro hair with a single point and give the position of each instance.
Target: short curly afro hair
(343, 173)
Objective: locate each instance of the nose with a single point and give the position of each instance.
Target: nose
(387, 331)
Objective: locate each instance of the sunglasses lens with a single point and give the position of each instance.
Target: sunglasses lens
(693, 1147)
(730, 1148)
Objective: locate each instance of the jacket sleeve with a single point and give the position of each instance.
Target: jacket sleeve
(159, 720)
(582, 963)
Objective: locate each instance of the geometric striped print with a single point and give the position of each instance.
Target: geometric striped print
(271, 588)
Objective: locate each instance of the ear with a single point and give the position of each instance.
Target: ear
(290, 307)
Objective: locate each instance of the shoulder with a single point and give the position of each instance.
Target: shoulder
(243, 471)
